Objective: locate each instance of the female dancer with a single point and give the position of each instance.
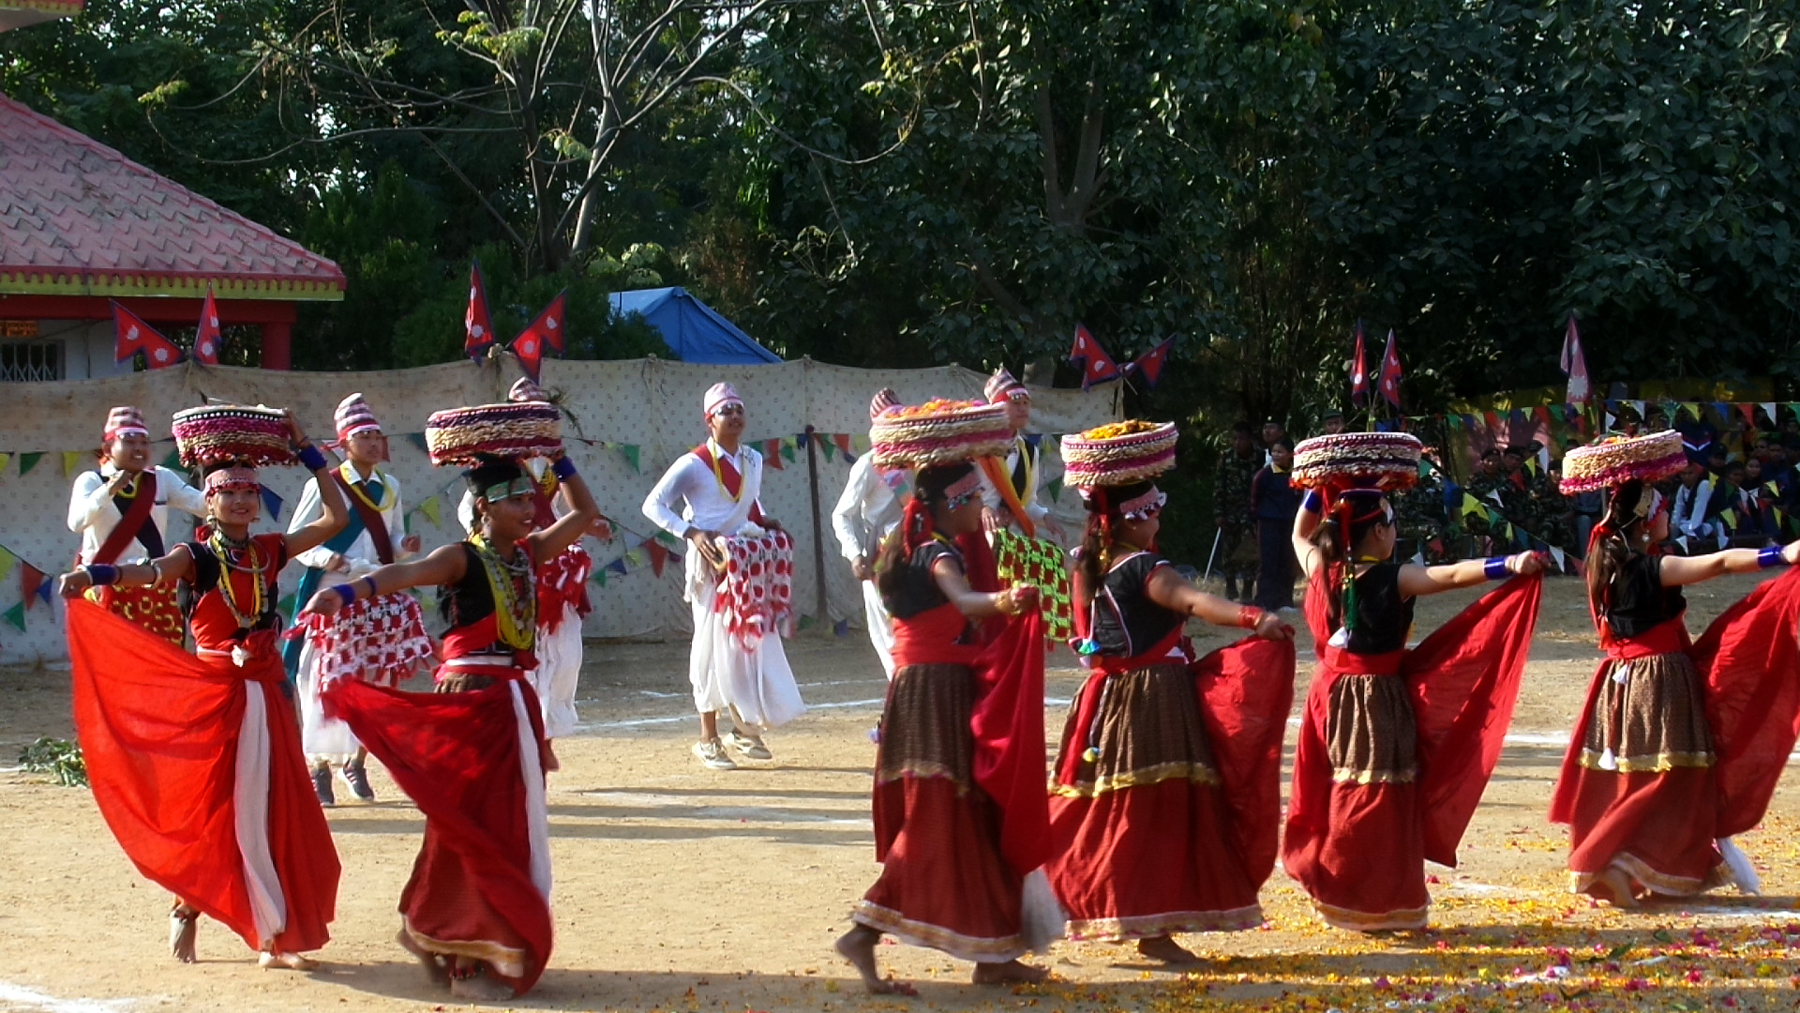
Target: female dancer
(1148, 835)
(196, 761)
(1679, 746)
(477, 909)
(1396, 746)
(946, 881)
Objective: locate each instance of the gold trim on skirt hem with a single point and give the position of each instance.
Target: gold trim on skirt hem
(506, 960)
(934, 937)
(1650, 879)
(1364, 921)
(1118, 930)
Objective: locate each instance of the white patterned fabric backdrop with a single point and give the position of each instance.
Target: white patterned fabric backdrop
(625, 422)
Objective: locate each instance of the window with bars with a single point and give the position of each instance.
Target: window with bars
(26, 361)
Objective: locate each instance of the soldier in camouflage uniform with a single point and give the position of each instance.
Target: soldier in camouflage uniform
(1238, 465)
(1419, 516)
(1482, 485)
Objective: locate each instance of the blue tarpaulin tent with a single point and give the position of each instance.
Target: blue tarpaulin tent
(693, 330)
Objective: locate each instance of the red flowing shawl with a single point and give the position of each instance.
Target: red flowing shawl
(1749, 665)
(457, 756)
(1463, 680)
(159, 730)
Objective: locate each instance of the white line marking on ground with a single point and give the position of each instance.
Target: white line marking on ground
(19, 995)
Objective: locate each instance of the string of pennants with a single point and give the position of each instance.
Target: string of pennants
(1513, 534)
(34, 586)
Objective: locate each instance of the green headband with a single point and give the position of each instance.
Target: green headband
(513, 489)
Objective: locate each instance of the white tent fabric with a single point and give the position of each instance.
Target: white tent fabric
(649, 408)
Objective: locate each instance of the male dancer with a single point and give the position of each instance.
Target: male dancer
(716, 486)
(1009, 492)
(123, 510)
(375, 536)
(866, 513)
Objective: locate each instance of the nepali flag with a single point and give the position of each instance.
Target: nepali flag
(207, 339)
(1150, 365)
(132, 335)
(1390, 372)
(1096, 365)
(546, 332)
(478, 327)
(1359, 372)
(1574, 366)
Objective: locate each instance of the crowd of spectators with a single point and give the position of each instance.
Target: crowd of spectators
(1740, 488)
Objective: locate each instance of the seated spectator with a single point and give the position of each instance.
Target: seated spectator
(1689, 523)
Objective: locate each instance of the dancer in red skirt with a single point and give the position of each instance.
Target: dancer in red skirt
(961, 821)
(1166, 797)
(195, 760)
(1396, 746)
(476, 911)
(1679, 745)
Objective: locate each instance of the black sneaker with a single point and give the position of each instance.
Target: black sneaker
(322, 785)
(358, 780)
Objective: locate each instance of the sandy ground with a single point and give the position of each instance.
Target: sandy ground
(683, 889)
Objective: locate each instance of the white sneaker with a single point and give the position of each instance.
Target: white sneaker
(712, 754)
(751, 748)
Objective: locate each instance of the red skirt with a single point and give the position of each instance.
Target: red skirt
(1363, 865)
(944, 882)
(161, 731)
(472, 761)
(1142, 834)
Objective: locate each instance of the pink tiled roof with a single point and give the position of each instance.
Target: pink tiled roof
(78, 218)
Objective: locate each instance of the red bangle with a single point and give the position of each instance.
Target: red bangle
(1249, 616)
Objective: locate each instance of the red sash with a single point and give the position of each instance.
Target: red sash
(729, 477)
(131, 522)
(372, 520)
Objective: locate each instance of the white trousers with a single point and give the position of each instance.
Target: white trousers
(324, 740)
(558, 674)
(757, 684)
(881, 628)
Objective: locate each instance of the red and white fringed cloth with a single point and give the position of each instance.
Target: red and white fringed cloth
(380, 640)
(757, 588)
(563, 582)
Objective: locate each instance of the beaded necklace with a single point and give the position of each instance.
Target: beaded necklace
(513, 586)
(246, 558)
(132, 488)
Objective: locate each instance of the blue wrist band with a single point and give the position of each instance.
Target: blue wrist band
(1770, 556)
(1495, 568)
(1313, 501)
(564, 468)
(309, 455)
(345, 591)
(102, 574)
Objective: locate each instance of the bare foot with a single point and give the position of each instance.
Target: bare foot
(1614, 888)
(1008, 973)
(1167, 950)
(858, 947)
(480, 988)
(285, 961)
(433, 964)
(184, 925)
